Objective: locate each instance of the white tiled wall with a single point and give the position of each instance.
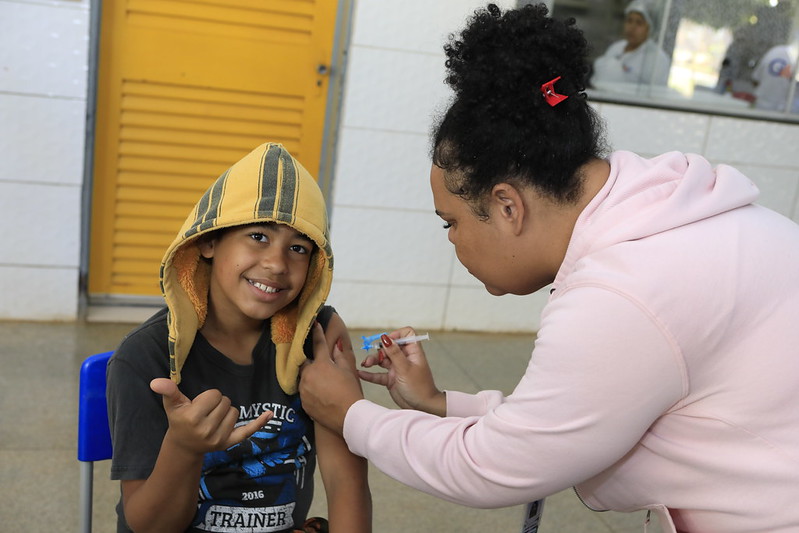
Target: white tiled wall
(394, 265)
(654, 131)
(765, 151)
(46, 143)
(43, 66)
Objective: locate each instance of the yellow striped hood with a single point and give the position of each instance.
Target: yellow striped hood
(267, 185)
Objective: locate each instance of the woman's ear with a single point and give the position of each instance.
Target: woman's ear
(508, 205)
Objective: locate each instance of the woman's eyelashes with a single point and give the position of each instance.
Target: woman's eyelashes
(447, 225)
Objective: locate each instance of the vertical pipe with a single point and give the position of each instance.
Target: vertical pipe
(661, 40)
(341, 42)
(95, 12)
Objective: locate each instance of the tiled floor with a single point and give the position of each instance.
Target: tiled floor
(39, 469)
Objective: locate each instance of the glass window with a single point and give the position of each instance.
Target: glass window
(721, 56)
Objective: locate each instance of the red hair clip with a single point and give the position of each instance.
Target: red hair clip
(548, 90)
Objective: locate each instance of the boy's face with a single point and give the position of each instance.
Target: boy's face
(256, 269)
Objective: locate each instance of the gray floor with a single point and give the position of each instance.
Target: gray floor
(39, 468)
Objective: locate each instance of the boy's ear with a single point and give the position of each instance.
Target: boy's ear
(206, 247)
(508, 205)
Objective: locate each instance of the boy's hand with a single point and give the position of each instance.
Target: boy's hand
(328, 384)
(204, 424)
(409, 379)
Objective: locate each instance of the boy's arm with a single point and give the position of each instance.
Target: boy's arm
(344, 474)
(167, 500)
(349, 502)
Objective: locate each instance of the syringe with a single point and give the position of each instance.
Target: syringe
(373, 342)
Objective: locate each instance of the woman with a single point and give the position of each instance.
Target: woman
(665, 374)
(636, 58)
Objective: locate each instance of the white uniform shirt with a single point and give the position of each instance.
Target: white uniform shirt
(773, 75)
(636, 66)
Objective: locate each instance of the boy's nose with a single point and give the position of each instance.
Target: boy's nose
(275, 261)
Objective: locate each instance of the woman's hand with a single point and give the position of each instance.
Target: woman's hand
(328, 384)
(409, 379)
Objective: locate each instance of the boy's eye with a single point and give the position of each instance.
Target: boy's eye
(299, 248)
(260, 237)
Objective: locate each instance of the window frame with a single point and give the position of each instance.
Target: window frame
(643, 96)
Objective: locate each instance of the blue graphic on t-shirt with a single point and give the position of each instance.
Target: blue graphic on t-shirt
(263, 471)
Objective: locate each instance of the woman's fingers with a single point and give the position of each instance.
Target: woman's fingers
(378, 359)
(393, 354)
(343, 354)
(320, 349)
(369, 361)
(407, 331)
(374, 377)
(409, 379)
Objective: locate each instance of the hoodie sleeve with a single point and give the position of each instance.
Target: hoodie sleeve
(463, 404)
(602, 371)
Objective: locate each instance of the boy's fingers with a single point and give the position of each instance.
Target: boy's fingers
(169, 391)
(242, 432)
(216, 406)
(163, 386)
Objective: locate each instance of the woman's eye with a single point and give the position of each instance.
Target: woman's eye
(447, 225)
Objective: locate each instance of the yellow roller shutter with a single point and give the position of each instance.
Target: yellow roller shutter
(185, 89)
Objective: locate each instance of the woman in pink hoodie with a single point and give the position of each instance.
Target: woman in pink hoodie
(665, 374)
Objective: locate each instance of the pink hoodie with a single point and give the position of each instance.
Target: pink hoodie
(665, 374)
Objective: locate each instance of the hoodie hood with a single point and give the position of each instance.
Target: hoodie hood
(267, 185)
(643, 197)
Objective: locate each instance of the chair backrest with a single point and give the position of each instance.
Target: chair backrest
(94, 437)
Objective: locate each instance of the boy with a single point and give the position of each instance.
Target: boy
(244, 281)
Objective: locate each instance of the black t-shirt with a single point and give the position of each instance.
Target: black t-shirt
(264, 484)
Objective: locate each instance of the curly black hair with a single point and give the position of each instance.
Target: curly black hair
(499, 127)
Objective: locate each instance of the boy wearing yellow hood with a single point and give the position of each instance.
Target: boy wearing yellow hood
(224, 445)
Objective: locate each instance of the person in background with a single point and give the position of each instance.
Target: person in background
(665, 370)
(225, 445)
(636, 58)
(774, 75)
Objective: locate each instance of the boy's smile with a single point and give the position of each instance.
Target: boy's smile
(266, 288)
(256, 271)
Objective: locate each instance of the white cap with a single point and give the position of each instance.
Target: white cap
(645, 8)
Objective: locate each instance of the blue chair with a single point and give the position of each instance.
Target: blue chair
(94, 437)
